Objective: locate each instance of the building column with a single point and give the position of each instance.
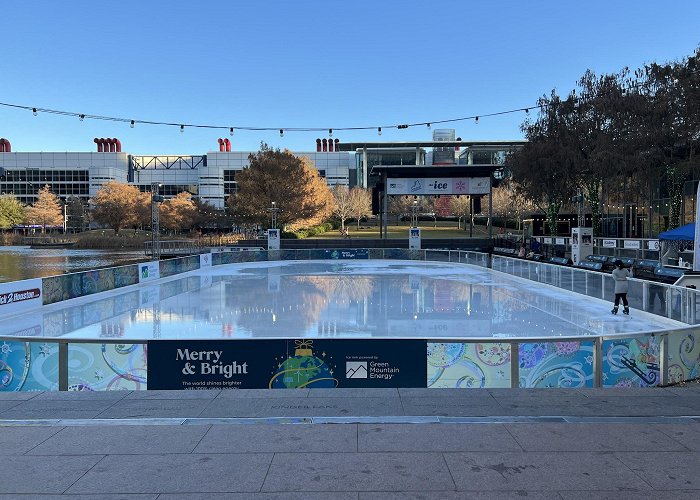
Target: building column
(363, 181)
(417, 156)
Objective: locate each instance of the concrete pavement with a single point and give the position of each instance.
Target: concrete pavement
(352, 444)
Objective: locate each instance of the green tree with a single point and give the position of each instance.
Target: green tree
(300, 194)
(75, 212)
(46, 210)
(11, 211)
(544, 169)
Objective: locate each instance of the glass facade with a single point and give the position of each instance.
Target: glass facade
(25, 184)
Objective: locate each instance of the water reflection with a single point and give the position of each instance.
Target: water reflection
(18, 263)
(281, 300)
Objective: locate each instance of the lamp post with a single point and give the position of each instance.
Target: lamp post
(414, 214)
(156, 198)
(273, 215)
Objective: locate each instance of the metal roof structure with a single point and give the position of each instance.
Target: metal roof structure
(411, 171)
(353, 146)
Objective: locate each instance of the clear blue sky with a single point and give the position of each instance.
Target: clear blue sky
(309, 64)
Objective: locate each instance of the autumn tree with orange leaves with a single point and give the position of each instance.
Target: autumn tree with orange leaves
(46, 210)
(299, 192)
(178, 213)
(115, 205)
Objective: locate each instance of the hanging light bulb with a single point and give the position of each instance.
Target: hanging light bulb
(182, 128)
(527, 111)
(330, 132)
(379, 130)
(132, 123)
(281, 132)
(476, 120)
(230, 131)
(34, 111)
(81, 117)
(428, 124)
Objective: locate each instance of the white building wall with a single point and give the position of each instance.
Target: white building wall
(106, 167)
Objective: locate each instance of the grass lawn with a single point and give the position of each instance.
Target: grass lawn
(443, 230)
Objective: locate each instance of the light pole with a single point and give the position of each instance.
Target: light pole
(273, 215)
(156, 198)
(414, 214)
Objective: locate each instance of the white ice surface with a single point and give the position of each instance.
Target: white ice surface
(334, 299)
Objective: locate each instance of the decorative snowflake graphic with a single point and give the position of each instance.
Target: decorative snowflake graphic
(460, 186)
(5, 348)
(45, 349)
(99, 374)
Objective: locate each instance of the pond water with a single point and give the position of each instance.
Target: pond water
(22, 262)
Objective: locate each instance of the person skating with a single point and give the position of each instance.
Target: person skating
(620, 275)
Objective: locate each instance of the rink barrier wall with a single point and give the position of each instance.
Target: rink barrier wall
(635, 360)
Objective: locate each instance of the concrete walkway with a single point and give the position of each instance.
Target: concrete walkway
(352, 444)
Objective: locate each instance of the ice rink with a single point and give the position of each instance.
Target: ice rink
(334, 299)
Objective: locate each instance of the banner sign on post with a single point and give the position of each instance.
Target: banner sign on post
(433, 186)
(609, 243)
(273, 239)
(149, 271)
(581, 243)
(560, 241)
(632, 244)
(204, 260)
(653, 245)
(414, 238)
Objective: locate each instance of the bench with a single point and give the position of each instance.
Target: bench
(602, 259)
(562, 261)
(594, 266)
(505, 251)
(667, 275)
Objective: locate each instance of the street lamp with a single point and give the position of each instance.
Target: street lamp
(273, 215)
(156, 198)
(414, 214)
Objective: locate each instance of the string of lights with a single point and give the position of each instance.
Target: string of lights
(541, 105)
(182, 125)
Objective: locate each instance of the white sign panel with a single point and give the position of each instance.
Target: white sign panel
(273, 239)
(436, 186)
(560, 241)
(609, 243)
(204, 260)
(653, 245)
(20, 295)
(547, 241)
(414, 238)
(632, 244)
(149, 271)
(581, 243)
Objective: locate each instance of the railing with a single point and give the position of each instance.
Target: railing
(674, 302)
(646, 359)
(173, 247)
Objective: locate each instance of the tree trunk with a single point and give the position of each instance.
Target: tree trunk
(552, 212)
(593, 197)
